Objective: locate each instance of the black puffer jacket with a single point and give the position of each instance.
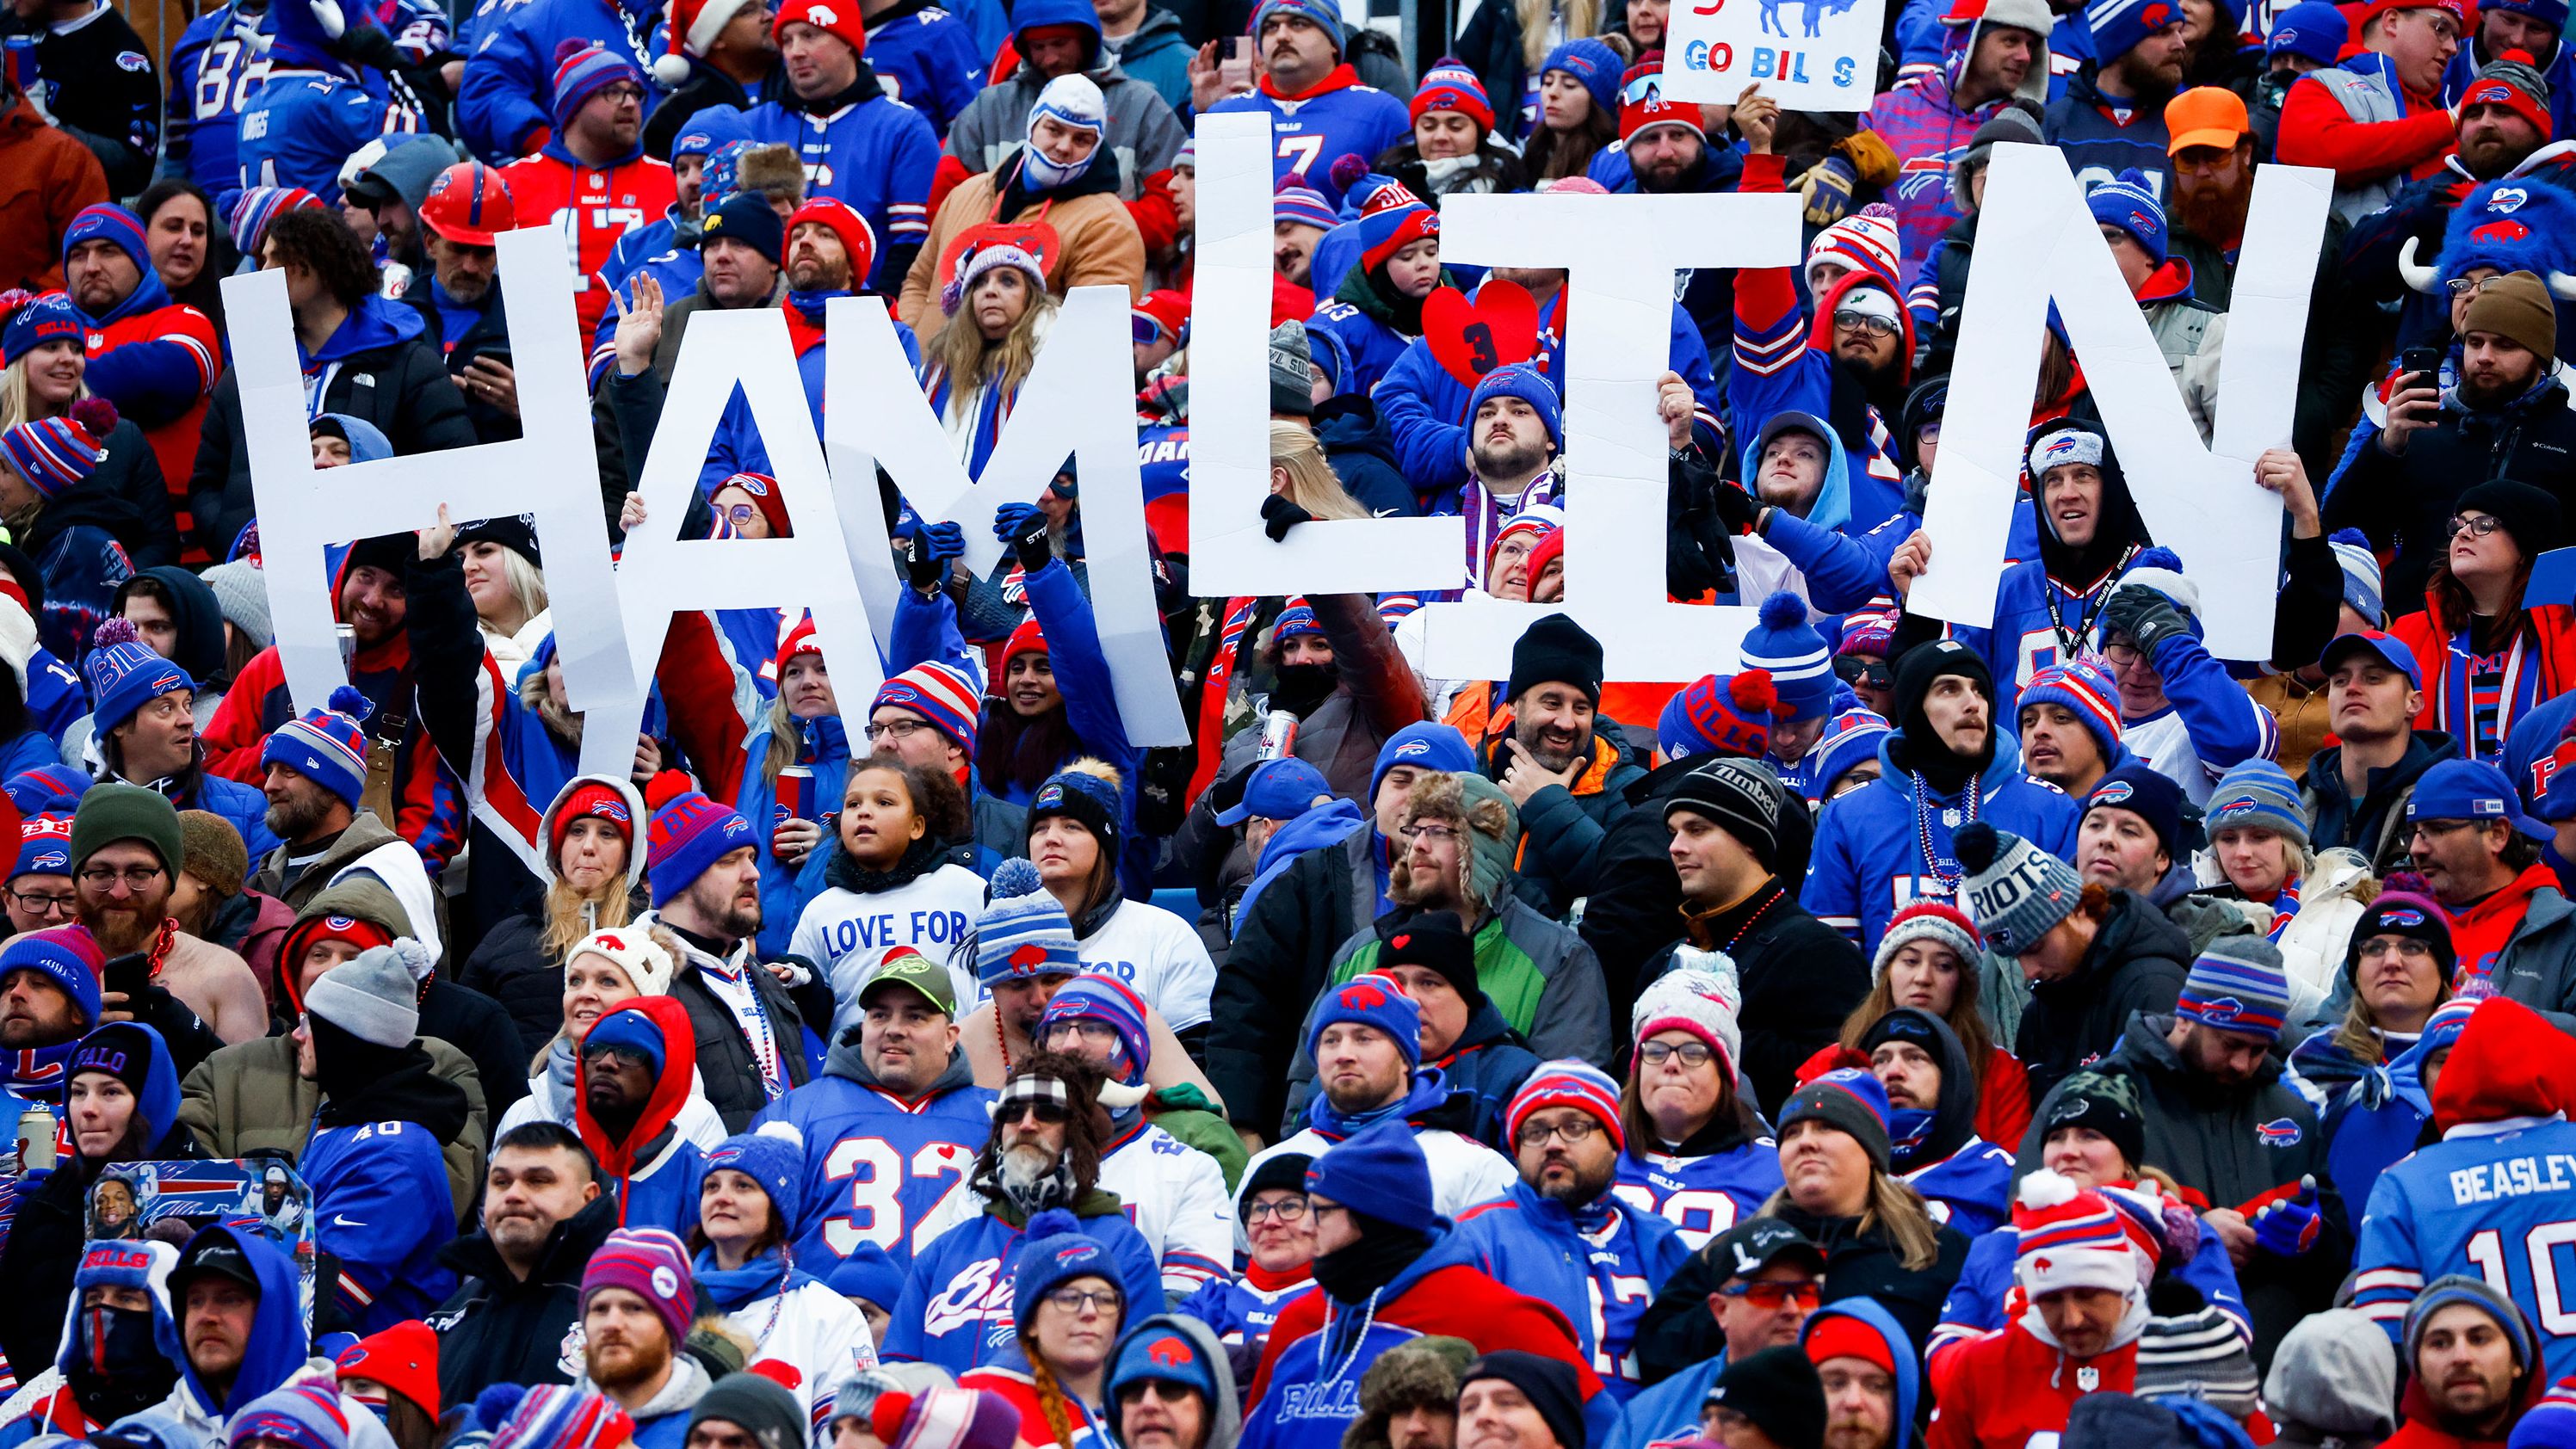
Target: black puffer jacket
(2137, 963)
(497, 1328)
(512, 967)
(44, 1251)
(132, 472)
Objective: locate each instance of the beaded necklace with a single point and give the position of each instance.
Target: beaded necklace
(1949, 879)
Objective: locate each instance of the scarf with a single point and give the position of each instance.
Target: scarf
(918, 859)
(1907, 1130)
(805, 318)
(2519, 669)
(563, 1071)
(35, 1074)
(767, 1274)
(2285, 909)
(1351, 1274)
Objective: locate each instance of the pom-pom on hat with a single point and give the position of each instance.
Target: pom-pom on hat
(125, 675)
(2129, 203)
(1720, 714)
(2016, 891)
(2072, 1237)
(329, 746)
(1697, 999)
(55, 454)
(1303, 205)
(694, 25)
(1566, 1083)
(1783, 643)
(689, 833)
(2512, 81)
(1450, 86)
(1023, 932)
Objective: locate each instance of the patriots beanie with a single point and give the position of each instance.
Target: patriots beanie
(326, 746)
(1372, 1001)
(2237, 985)
(1783, 643)
(1380, 1172)
(1566, 1083)
(1023, 932)
(2016, 891)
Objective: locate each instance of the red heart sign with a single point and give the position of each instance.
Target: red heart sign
(1471, 339)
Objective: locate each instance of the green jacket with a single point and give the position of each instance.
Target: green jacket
(1541, 976)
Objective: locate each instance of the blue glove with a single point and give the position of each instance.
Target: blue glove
(1023, 528)
(2288, 1227)
(945, 540)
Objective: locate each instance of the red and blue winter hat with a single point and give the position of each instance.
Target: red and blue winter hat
(1450, 86)
(29, 321)
(125, 675)
(1376, 1002)
(327, 746)
(108, 222)
(1848, 1100)
(559, 1416)
(941, 693)
(1566, 1083)
(1114, 1004)
(650, 1263)
(688, 834)
(64, 955)
(306, 1416)
(1395, 219)
(1720, 714)
(55, 454)
(2081, 688)
(44, 846)
(582, 71)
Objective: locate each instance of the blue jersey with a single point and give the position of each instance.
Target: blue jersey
(1372, 344)
(1702, 1196)
(1534, 1246)
(2496, 1202)
(1869, 860)
(956, 1306)
(1240, 1310)
(2039, 622)
(876, 1166)
(927, 59)
(380, 1206)
(1340, 117)
(301, 126)
(876, 155)
(665, 1193)
(220, 61)
(1976, 1302)
(1971, 1189)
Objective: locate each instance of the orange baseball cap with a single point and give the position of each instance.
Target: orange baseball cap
(2206, 116)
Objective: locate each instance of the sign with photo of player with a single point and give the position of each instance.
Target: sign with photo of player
(266, 1195)
(1809, 55)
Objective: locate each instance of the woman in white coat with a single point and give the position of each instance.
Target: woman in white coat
(750, 1192)
(606, 967)
(2259, 854)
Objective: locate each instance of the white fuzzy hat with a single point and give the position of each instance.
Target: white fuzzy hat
(631, 950)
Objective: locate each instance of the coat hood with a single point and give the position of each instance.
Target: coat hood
(1954, 1118)
(1029, 15)
(199, 618)
(2335, 1373)
(113, 1264)
(636, 816)
(619, 1156)
(1832, 508)
(374, 323)
(278, 1343)
(357, 896)
(1225, 1410)
(1900, 1346)
(1970, 23)
(2509, 1062)
(367, 442)
(109, 1049)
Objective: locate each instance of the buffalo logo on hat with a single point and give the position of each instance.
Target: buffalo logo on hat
(666, 1282)
(1411, 748)
(2241, 802)
(612, 810)
(1169, 1352)
(2401, 916)
(1028, 958)
(2042, 1264)
(2223, 1009)
(2114, 792)
(2155, 17)
(2279, 1132)
(2504, 200)
(2501, 231)
(339, 923)
(1066, 1257)
(1050, 797)
(2059, 446)
(1361, 995)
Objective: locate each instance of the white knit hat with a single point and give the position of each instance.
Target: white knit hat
(632, 950)
(1701, 995)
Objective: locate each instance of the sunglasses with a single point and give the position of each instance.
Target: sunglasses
(1048, 1113)
(1765, 1294)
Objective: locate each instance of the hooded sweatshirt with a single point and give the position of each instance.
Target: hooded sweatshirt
(109, 1365)
(274, 1352)
(1580, 1253)
(1965, 1180)
(651, 1167)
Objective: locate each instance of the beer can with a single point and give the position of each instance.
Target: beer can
(1278, 734)
(796, 792)
(21, 61)
(36, 1129)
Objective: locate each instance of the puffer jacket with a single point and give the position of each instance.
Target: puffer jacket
(510, 964)
(248, 1097)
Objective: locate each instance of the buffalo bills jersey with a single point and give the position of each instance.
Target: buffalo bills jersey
(1702, 1196)
(875, 1165)
(2495, 1200)
(876, 155)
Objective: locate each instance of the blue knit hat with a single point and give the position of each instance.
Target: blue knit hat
(1372, 1001)
(47, 788)
(1596, 65)
(108, 222)
(688, 834)
(1081, 793)
(1326, 17)
(869, 1273)
(2129, 203)
(44, 846)
(580, 71)
(1023, 932)
(125, 675)
(2237, 985)
(326, 746)
(307, 1416)
(773, 1156)
(1850, 739)
(2362, 582)
(629, 1031)
(2260, 793)
(1525, 381)
(1053, 1252)
(2477, 1293)
(2121, 26)
(1720, 714)
(708, 128)
(64, 955)
(1113, 1003)
(2154, 798)
(32, 321)
(2313, 28)
(1424, 745)
(1380, 1172)
(1802, 668)
(1157, 1353)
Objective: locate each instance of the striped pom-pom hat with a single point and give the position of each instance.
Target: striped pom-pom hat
(941, 693)
(1023, 932)
(326, 746)
(53, 454)
(2072, 1237)
(559, 1416)
(1566, 1083)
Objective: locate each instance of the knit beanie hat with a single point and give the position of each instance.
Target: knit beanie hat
(1303, 205)
(2143, 791)
(2104, 1102)
(136, 1055)
(2404, 907)
(2009, 123)
(589, 798)
(1396, 219)
(113, 811)
(55, 454)
(1528, 382)
(1450, 86)
(945, 1418)
(212, 851)
(1785, 644)
(375, 998)
(939, 692)
(2314, 28)
(1319, 13)
(2198, 1355)
(582, 70)
(1865, 241)
(1936, 921)
(2082, 688)
(404, 1358)
(1740, 796)
(758, 1405)
(1849, 1100)
(2121, 26)
(1085, 792)
(2550, 1423)
(1851, 739)
(1114, 1004)
(1437, 942)
(125, 675)
(1549, 1384)
(327, 746)
(2237, 985)
(1425, 745)
(29, 321)
(2072, 1237)
(772, 1155)
(650, 1263)
(106, 221)
(2477, 1293)
(1556, 650)
(1566, 1083)
(1292, 367)
(1023, 932)
(2516, 307)
(2016, 891)
(2257, 793)
(1778, 1390)
(2530, 514)
(1595, 65)
(688, 834)
(2362, 583)
(1372, 1001)
(868, 1273)
(1380, 1172)
(559, 1416)
(1643, 105)
(747, 217)
(242, 594)
(1158, 1353)
(45, 846)
(1927, 662)
(307, 1416)
(2513, 82)
(1720, 714)
(628, 1028)
(1703, 1000)
(2129, 203)
(1053, 1252)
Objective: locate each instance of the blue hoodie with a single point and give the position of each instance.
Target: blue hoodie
(501, 104)
(2371, 1120)
(1900, 1349)
(956, 1306)
(1540, 1247)
(278, 1342)
(1326, 825)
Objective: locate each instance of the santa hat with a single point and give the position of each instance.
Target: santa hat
(694, 24)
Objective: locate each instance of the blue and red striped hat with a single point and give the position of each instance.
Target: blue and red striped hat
(304, 1415)
(44, 846)
(688, 834)
(559, 1416)
(327, 746)
(1566, 1083)
(650, 1263)
(581, 70)
(2082, 688)
(1720, 714)
(1303, 205)
(945, 695)
(1394, 219)
(1450, 86)
(54, 454)
(32, 320)
(2237, 986)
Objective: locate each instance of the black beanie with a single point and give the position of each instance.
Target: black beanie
(2106, 1102)
(747, 217)
(1556, 649)
(2531, 515)
(1778, 1390)
(1740, 797)
(392, 552)
(1926, 662)
(1435, 940)
(1550, 1386)
(1280, 1170)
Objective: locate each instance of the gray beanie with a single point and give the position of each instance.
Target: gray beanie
(1292, 370)
(2012, 123)
(242, 592)
(375, 998)
(2016, 891)
(2198, 1356)
(2336, 1373)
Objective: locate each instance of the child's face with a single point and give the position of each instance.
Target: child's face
(1415, 270)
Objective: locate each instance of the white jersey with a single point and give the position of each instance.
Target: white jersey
(815, 1329)
(1175, 1196)
(1160, 956)
(2164, 743)
(843, 932)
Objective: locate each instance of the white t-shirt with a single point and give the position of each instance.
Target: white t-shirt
(843, 932)
(1158, 954)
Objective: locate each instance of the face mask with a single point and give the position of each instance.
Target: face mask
(1300, 688)
(1040, 174)
(119, 1341)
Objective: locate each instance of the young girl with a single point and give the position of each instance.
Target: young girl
(889, 881)
(1377, 310)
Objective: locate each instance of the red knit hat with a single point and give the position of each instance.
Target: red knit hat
(2497, 86)
(593, 801)
(1394, 219)
(1024, 639)
(1642, 103)
(303, 937)
(800, 640)
(764, 490)
(858, 239)
(1840, 1335)
(1550, 548)
(840, 17)
(404, 1358)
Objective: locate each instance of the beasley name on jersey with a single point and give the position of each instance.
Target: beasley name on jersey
(2501, 1205)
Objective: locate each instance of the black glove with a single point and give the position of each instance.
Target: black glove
(1279, 515)
(927, 552)
(370, 46)
(2146, 616)
(1024, 528)
(1735, 508)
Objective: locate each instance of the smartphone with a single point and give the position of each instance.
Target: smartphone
(2426, 360)
(1234, 47)
(130, 973)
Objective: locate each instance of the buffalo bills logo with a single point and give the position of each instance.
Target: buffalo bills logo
(2279, 1132)
(2501, 231)
(2114, 792)
(751, 483)
(2041, 1264)
(1169, 1352)
(2505, 200)
(2241, 802)
(737, 826)
(170, 681)
(2140, 223)
(1028, 958)
(1363, 996)
(52, 862)
(612, 810)
(1067, 1257)
(339, 923)
(1050, 797)
(2222, 1010)
(1411, 748)
(2401, 916)
(2059, 446)
(665, 1284)
(608, 942)
(2156, 17)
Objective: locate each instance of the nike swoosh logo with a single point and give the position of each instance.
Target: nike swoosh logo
(341, 1220)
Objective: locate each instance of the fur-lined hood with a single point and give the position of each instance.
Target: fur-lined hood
(1423, 1371)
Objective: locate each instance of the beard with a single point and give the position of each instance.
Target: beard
(2480, 395)
(1579, 1188)
(626, 1365)
(817, 275)
(298, 817)
(122, 930)
(1506, 460)
(1033, 1178)
(2216, 215)
(1878, 381)
(1407, 887)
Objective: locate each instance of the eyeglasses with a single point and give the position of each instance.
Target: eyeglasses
(902, 729)
(2122, 654)
(2476, 525)
(136, 877)
(1852, 320)
(1573, 1130)
(742, 513)
(1692, 1053)
(1286, 1210)
(1091, 1031)
(2438, 827)
(2462, 286)
(1045, 1111)
(37, 903)
(2406, 946)
(1762, 1293)
(1075, 1300)
(1433, 832)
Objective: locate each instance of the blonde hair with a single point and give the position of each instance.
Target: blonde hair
(961, 354)
(1582, 19)
(527, 586)
(13, 393)
(1312, 483)
(1894, 1206)
(784, 730)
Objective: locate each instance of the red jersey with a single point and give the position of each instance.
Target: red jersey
(2001, 1390)
(592, 207)
(191, 363)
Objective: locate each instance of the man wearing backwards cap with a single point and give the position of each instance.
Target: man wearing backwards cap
(2480, 857)
(2219, 1116)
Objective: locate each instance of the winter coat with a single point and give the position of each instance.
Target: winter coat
(2538, 663)
(132, 471)
(921, 1151)
(510, 964)
(2404, 502)
(2136, 963)
(376, 1206)
(2538, 964)
(1362, 452)
(1562, 826)
(2007, 1389)
(248, 1096)
(1097, 242)
(2375, 825)
(273, 1353)
(2315, 943)
(1801, 978)
(46, 178)
(1977, 1304)
(1720, 1176)
(2358, 119)
(1538, 974)
(1539, 1247)
(1464, 1172)
(500, 1328)
(1284, 952)
(377, 368)
(791, 1317)
(956, 1306)
(726, 1058)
